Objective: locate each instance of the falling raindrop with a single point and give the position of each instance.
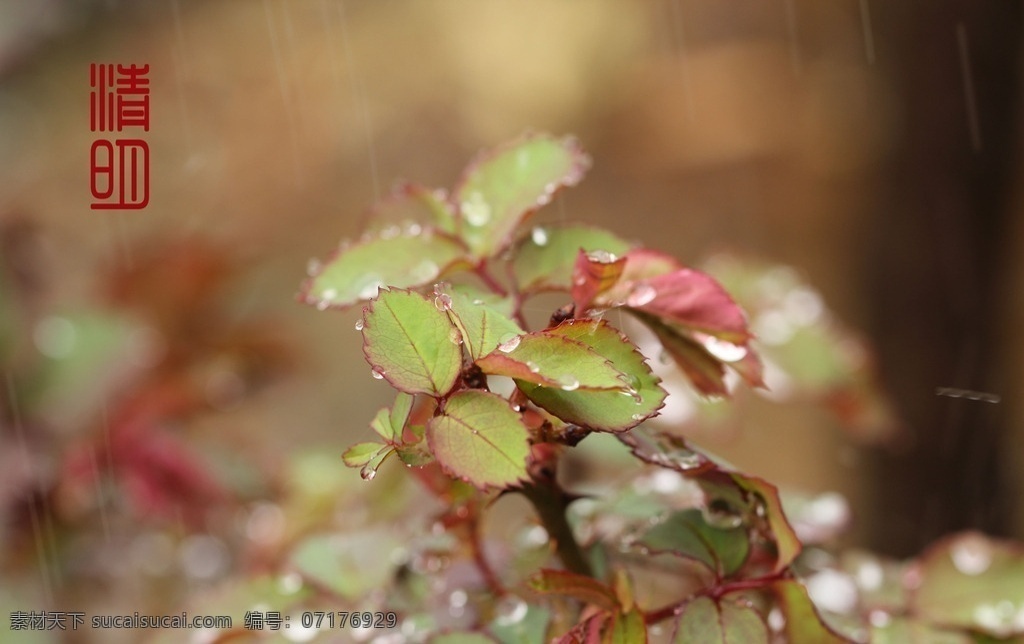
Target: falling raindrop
(642, 293)
(377, 373)
(359, 324)
(443, 302)
(568, 383)
(539, 236)
(509, 342)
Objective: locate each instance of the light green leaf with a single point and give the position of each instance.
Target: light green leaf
(544, 259)
(603, 410)
(626, 628)
(687, 534)
(410, 208)
(900, 630)
(705, 621)
(517, 622)
(552, 360)
(803, 625)
(355, 273)
(481, 439)
(339, 561)
(362, 453)
(409, 342)
(482, 325)
(503, 187)
(972, 581)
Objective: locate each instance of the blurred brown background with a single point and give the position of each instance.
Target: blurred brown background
(872, 147)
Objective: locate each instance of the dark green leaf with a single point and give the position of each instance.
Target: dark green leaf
(687, 534)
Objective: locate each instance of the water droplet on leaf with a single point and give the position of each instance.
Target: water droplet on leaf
(313, 266)
(568, 383)
(602, 256)
(642, 293)
(718, 513)
(971, 555)
(454, 336)
(724, 351)
(475, 210)
(368, 472)
(509, 343)
(539, 236)
(510, 610)
(359, 324)
(532, 366)
(377, 373)
(443, 302)
(424, 271)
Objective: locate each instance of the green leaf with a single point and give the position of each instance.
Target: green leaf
(626, 628)
(389, 423)
(503, 187)
(411, 208)
(362, 453)
(415, 453)
(481, 439)
(552, 360)
(483, 325)
(580, 587)
(687, 534)
(409, 342)
(355, 273)
(899, 630)
(972, 581)
(339, 561)
(603, 410)
(803, 625)
(517, 622)
(705, 621)
(544, 259)
(766, 495)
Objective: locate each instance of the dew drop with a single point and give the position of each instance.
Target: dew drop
(509, 343)
(539, 236)
(637, 417)
(971, 555)
(477, 302)
(454, 336)
(568, 383)
(642, 293)
(476, 211)
(369, 286)
(724, 351)
(377, 373)
(413, 230)
(313, 266)
(532, 366)
(443, 302)
(720, 514)
(510, 610)
(359, 324)
(368, 472)
(602, 256)
(322, 305)
(424, 271)
(329, 293)
(390, 232)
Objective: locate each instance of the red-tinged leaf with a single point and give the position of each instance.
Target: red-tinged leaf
(580, 587)
(544, 259)
(971, 581)
(503, 187)
(641, 264)
(787, 544)
(705, 372)
(408, 342)
(482, 324)
(593, 274)
(481, 439)
(706, 621)
(355, 273)
(692, 299)
(553, 360)
(412, 209)
(750, 368)
(668, 450)
(803, 624)
(586, 631)
(612, 411)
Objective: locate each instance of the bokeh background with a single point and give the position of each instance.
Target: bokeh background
(872, 147)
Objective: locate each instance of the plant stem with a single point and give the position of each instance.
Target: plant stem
(488, 279)
(550, 501)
